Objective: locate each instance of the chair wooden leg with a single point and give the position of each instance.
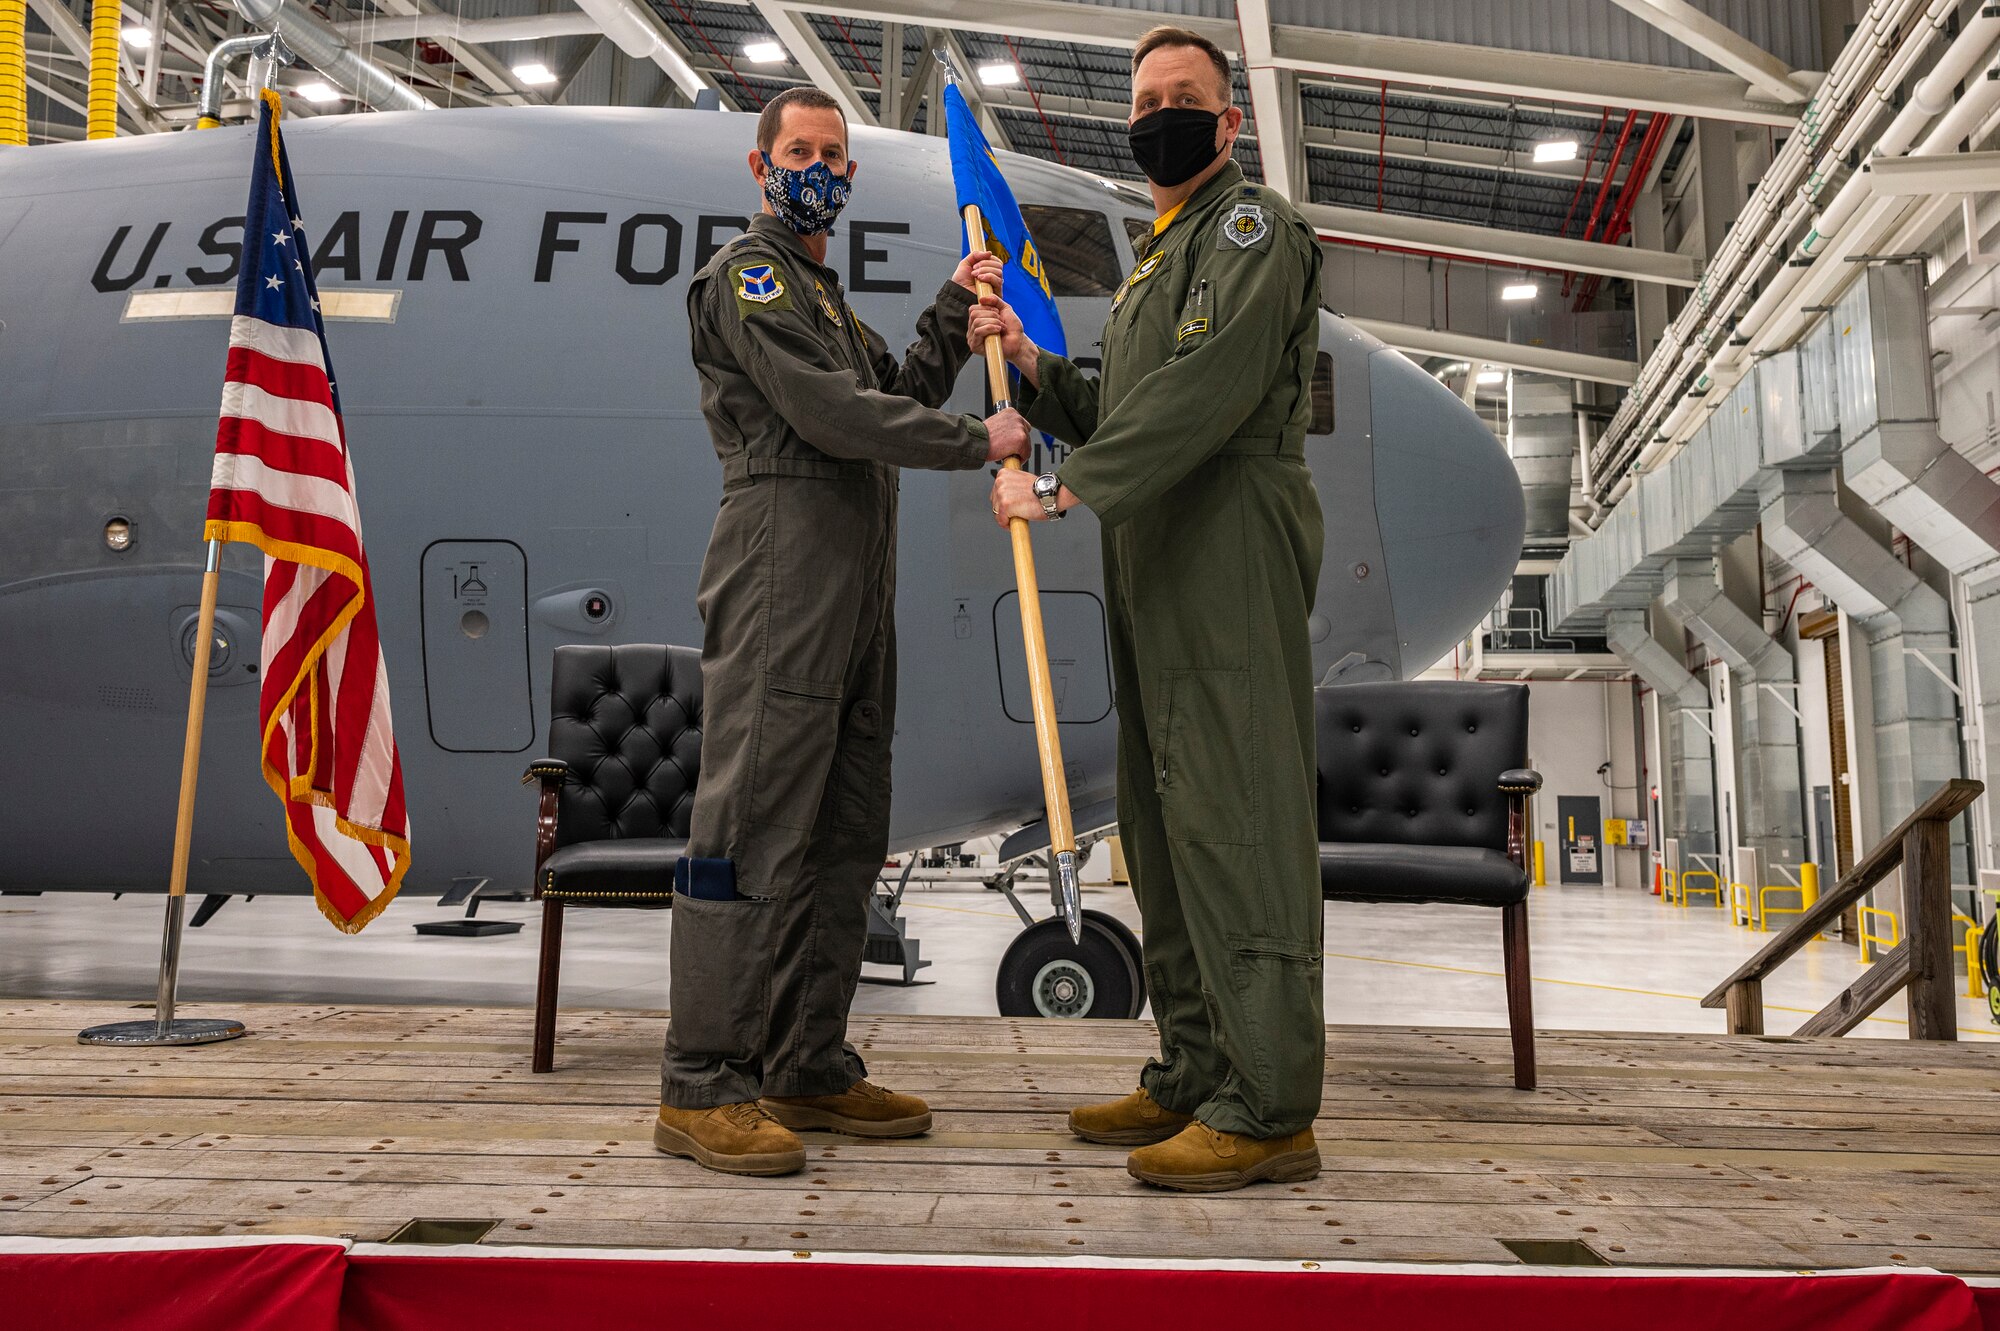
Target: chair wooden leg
(1520, 1002)
(546, 982)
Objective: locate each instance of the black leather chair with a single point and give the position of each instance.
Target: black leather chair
(617, 792)
(1423, 792)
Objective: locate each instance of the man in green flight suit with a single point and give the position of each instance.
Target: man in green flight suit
(1192, 457)
(811, 416)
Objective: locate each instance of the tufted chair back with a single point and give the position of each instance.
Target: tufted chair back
(1418, 762)
(627, 720)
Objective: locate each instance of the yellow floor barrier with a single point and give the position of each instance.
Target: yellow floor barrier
(1974, 987)
(1687, 891)
(1742, 905)
(1893, 938)
(1765, 910)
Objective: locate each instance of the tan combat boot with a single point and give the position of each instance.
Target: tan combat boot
(1200, 1159)
(730, 1139)
(862, 1110)
(1136, 1120)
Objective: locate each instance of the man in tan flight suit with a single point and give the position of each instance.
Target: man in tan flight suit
(811, 417)
(1193, 459)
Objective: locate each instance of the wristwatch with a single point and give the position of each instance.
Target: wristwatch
(1047, 486)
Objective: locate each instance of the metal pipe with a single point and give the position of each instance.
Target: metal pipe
(1846, 104)
(209, 114)
(314, 41)
(477, 31)
(13, 72)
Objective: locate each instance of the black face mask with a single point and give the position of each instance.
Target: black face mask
(1174, 144)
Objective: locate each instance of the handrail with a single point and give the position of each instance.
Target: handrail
(1922, 961)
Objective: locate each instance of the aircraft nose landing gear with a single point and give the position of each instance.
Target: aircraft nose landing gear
(1043, 974)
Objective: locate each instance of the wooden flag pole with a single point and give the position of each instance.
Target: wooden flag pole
(164, 1029)
(1041, 691)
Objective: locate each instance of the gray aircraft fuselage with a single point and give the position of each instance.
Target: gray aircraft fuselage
(533, 469)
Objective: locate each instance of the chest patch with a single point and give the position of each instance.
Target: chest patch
(826, 305)
(1146, 268)
(1245, 226)
(1190, 328)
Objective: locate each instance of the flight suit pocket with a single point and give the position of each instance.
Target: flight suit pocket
(861, 770)
(1206, 757)
(797, 737)
(1197, 318)
(1280, 1028)
(720, 951)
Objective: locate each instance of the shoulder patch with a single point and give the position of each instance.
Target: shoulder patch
(1246, 226)
(758, 287)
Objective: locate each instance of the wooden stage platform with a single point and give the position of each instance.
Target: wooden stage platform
(1650, 1150)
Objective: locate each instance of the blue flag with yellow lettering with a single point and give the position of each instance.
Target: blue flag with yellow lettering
(977, 175)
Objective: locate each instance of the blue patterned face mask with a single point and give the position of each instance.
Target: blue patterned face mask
(806, 201)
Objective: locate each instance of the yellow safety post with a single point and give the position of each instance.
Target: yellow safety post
(1541, 870)
(13, 71)
(1808, 884)
(106, 19)
(1890, 940)
(1969, 945)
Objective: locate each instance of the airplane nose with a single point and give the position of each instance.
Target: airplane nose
(1450, 505)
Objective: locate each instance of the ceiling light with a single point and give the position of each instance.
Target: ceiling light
(1490, 377)
(141, 38)
(764, 53)
(1518, 291)
(1556, 150)
(535, 74)
(318, 92)
(999, 75)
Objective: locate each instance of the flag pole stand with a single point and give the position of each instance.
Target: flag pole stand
(165, 1028)
(1041, 690)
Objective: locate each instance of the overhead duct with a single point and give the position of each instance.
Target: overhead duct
(1687, 735)
(1764, 688)
(1891, 452)
(640, 33)
(1541, 439)
(1904, 622)
(314, 41)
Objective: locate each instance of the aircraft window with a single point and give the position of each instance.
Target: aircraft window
(1075, 246)
(1322, 395)
(1138, 230)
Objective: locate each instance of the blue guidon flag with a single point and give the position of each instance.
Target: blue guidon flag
(760, 284)
(977, 175)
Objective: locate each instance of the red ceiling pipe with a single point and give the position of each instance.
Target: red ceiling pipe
(1603, 118)
(1610, 170)
(1604, 185)
(1620, 220)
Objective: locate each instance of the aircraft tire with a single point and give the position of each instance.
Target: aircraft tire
(1043, 974)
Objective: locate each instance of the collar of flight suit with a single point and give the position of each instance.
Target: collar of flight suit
(1217, 185)
(771, 229)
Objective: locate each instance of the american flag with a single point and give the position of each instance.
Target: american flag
(284, 483)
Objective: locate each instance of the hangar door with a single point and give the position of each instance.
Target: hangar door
(475, 596)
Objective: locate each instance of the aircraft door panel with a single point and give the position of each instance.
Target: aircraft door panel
(475, 612)
(1079, 657)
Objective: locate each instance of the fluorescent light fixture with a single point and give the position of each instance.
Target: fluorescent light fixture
(1490, 377)
(535, 74)
(764, 53)
(318, 92)
(1518, 291)
(999, 75)
(1556, 150)
(138, 38)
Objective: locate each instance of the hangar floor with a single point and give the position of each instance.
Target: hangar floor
(1605, 959)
